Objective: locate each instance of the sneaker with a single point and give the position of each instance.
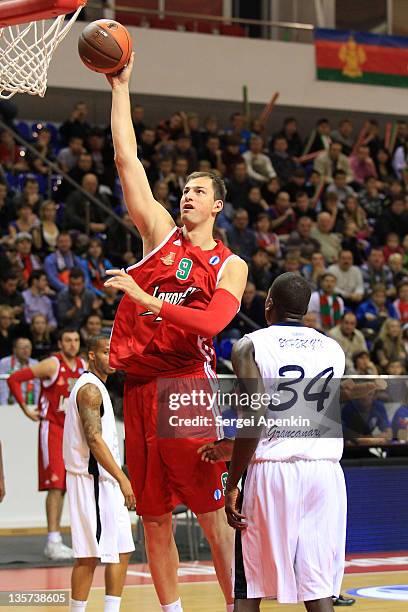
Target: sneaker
(57, 551)
(343, 601)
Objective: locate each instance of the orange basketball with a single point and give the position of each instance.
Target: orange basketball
(105, 46)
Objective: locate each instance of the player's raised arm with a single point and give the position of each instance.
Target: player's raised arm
(150, 218)
(43, 370)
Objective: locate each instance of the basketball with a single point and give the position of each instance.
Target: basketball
(105, 46)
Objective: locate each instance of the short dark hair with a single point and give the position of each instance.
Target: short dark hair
(67, 330)
(93, 341)
(220, 191)
(291, 293)
(77, 273)
(35, 275)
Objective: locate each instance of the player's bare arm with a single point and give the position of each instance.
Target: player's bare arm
(243, 361)
(44, 370)
(151, 219)
(89, 401)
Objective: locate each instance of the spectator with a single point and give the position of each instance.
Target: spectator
(239, 130)
(362, 166)
(330, 243)
(231, 156)
(375, 271)
(371, 199)
(394, 219)
(6, 209)
(26, 260)
(83, 166)
(68, 157)
(292, 262)
(91, 327)
(372, 139)
(45, 234)
(289, 131)
(351, 242)
(138, 114)
(94, 265)
(255, 204)
(283, 164)
(253, 307)
(270, 190)
(10, 296)
(310, 320)
(399, 274)
(26, 221)
(20, 358)
(354, 212)
(11, 158)
(45, 148)
(76, 126)
(265, 238)
(261, 272)
(259, 166)
(326, 305)
(320, 140)
(399, 424)
(7, 330)
(301, 239)
(241, 239)
(283, 219)
(297, 183)
(110, 302)
(392, 245)
(37, 301)
(362, 417)
(389, 345)
(383, 165)
(30, 195)
(315, 270)
(349, 280)
(123, 246)
(372, 313)
(344, 135)
(304, 206)
(58, 265)
(75, 303)
(340, 188)
(81, 213)
(40, 337)
(238, 187)
(363, 365)
(399, 162)
(102, 157)
(211, 152)
(161, 194)
(327, 162)
(350, 339)
(401, 303)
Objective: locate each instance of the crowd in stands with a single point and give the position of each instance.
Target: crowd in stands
(331, 205)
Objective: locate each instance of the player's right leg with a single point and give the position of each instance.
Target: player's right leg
(81, 581)
(247, 605)
(163, 557)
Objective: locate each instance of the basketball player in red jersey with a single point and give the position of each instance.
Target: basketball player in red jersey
(58, 375)
(183, 292)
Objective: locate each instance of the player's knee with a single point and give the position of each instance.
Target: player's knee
(213, 524)
(89, 562)
(157, 526)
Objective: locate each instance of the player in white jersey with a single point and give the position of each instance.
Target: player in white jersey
(290, 538)
(98, 490)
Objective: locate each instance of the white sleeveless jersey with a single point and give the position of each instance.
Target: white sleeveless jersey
(78, 458)
(292, 351)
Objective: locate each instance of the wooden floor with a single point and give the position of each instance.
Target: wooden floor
(206, 596)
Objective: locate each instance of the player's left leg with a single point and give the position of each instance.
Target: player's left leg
(319, 605)
(115, 574)
(247, 605)
(220, 537)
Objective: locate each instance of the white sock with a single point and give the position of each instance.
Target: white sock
(230, 607)
(54, 536)
(112, 603)
(173, 607)
(78, 606)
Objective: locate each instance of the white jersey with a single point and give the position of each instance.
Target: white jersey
(78, 458)
(292, 351)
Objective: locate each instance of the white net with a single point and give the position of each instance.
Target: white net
(25, 54)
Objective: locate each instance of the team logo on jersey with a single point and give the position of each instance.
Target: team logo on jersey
(217, 494)
(214, 260)
(173, 297)
(168, 260)
(224, 477)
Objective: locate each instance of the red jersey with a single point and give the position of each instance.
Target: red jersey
(143, 344)
(55, 392)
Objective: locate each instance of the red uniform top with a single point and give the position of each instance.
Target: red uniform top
(55, 391)
(145, 345)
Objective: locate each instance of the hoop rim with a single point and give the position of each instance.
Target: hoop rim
(14, 12)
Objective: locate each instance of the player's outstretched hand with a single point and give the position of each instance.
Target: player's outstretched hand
(33, 413)
(232, 502)
(124, 282)
(221, 450)
(122, 77)
(127, 491)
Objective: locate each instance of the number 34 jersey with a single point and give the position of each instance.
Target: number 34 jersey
(175, 271)
(301, 369)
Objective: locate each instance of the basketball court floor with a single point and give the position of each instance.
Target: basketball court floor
(379, 583)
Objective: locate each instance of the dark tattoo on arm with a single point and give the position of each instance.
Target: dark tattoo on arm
(89, 400)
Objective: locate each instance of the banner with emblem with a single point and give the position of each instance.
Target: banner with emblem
(361, 57)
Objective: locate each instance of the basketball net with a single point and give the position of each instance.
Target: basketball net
(25, 54)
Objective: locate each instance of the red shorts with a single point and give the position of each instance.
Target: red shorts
(51, 468)
(166, 471)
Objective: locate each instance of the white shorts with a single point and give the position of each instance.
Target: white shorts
(100, 522)
(294, 546)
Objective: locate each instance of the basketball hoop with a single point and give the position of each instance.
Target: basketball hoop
(30, 31)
